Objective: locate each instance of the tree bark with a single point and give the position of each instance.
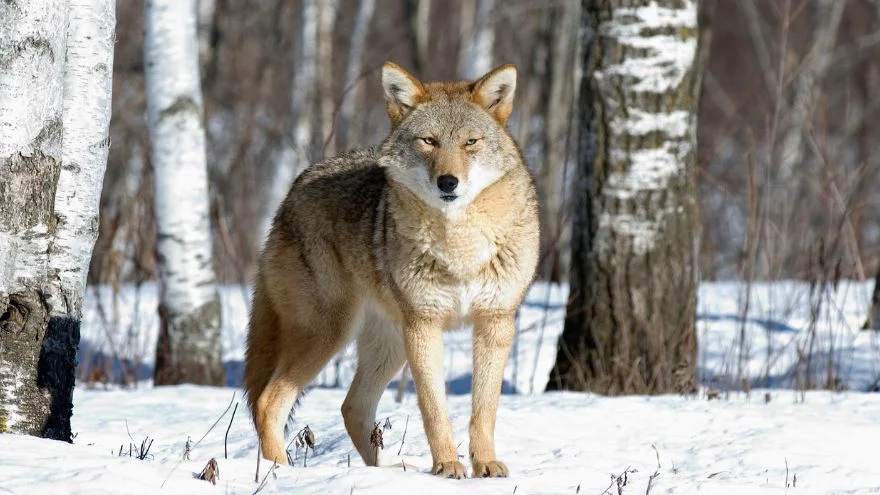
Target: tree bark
(188, 349)
(295, 153)
(326, 93)
(557, 123)
(55, 85)
(826, 19)
(630, 321)
(417, 13)
(476, 56)
(207, 9)
(351, 97)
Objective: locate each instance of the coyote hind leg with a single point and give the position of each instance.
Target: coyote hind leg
(301, 357)
(380, 356)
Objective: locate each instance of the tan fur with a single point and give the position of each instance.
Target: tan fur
(364, 247)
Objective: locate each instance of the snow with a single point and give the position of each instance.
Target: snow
(552, 442)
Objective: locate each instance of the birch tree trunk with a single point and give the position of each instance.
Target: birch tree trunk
(827, 15)
(295, 153)
(417, 13)
(326, 94)
(351, 98)
(476, 56)
(54, 120)
(188, 350)
(630, 323)
(556, 128)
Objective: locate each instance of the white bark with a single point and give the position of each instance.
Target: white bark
(32, 40)
(174, 105)
(55, 70)
(476, 56)
(294, 155)
(85, 144)
(659, 58)
(353, 83)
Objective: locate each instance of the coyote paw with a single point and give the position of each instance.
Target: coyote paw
(490, 469)
(451, 469)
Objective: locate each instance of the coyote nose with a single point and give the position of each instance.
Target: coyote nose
(447, 183)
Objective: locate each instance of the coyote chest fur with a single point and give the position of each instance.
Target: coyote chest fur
(436, 228)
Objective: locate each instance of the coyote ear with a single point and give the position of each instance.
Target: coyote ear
(494, 91)
(402, 91)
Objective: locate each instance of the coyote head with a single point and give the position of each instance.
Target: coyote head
(448, 140)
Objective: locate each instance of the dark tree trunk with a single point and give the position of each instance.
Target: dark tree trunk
(630, 322)
(874, 313)
(563, 36)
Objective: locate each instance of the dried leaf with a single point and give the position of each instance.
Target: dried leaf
(211, 472)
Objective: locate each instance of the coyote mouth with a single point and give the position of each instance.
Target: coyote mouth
(448, 197)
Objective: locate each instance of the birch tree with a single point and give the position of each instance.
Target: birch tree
(418, 31)
(56, 60)
(352, 94)
(630, 322)
(188, 348)
(295, 153)
(326, 93)
(476, 56)
(826, 19)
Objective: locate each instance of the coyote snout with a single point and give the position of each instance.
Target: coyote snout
(390, 247)
(447, 184)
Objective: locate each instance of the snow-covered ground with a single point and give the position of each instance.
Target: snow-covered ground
(552, 442)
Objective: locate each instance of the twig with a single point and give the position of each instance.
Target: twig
(786, 473)
(259, 454)
(215, 422)
(403, 438)
(265, 478)
(200, 440)
(656, 471)
(226, 437)
(620, 480)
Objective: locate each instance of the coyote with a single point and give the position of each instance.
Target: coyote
(436, 228)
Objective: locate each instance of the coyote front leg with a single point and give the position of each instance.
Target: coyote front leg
(493, 336)
(423, 340)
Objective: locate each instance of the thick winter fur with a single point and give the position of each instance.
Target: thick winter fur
(366, 246)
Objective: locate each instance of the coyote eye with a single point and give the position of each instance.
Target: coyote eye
(429, 141)
(471, 142)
